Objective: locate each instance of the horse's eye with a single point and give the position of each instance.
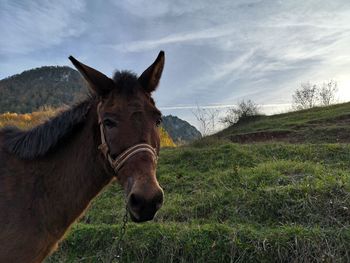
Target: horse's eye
(108, 123)
(158, 122)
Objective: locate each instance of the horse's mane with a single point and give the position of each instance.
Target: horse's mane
(39, 140)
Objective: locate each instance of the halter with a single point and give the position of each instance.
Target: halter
(121, 159)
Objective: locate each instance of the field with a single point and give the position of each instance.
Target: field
(272, 201)
(232, 203)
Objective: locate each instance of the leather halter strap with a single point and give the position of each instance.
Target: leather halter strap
(122, 158)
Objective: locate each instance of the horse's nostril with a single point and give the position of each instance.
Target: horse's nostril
(143, 209)
(136, 202)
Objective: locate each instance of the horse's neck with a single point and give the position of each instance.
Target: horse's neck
(75, 176)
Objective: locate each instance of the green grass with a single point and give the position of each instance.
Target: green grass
(318, 125)
(225, 202)
(208, 243)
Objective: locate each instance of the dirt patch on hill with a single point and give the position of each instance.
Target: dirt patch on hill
(306, 135)
(339, 121)
(261, 136)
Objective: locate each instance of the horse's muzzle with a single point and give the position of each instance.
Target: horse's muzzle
(143, 207)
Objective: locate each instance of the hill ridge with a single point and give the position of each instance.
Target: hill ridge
(329, 124)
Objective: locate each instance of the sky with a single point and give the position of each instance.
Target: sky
(217, 52)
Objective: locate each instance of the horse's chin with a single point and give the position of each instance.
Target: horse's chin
(134, 219)
(139, 220)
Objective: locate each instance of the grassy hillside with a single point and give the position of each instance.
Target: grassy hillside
(231, 203)
(322, 124)
(27, 120)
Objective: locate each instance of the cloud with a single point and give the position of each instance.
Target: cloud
(35, 25)
(150, 9)
(144, 45)
(217, 52)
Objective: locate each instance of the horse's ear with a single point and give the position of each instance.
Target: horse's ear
(98, 82)
(149, 79)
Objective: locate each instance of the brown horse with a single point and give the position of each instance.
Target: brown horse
(49, 175)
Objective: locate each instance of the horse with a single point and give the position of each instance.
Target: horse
(50, 174)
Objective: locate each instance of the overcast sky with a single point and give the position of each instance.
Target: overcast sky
(217, 52)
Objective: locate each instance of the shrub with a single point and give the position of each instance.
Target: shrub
(243, 111)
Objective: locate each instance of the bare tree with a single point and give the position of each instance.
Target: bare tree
(310, 95)
(327, 93)
(306, 96)
(207, 119)
(230, 118)
(242, 111)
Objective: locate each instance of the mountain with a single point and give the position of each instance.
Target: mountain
(45, 86)
(181, 131)
(56, 86)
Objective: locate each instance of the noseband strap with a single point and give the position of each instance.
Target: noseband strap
(122, 158)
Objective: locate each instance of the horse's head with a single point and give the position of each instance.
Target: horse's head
(130, 139)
